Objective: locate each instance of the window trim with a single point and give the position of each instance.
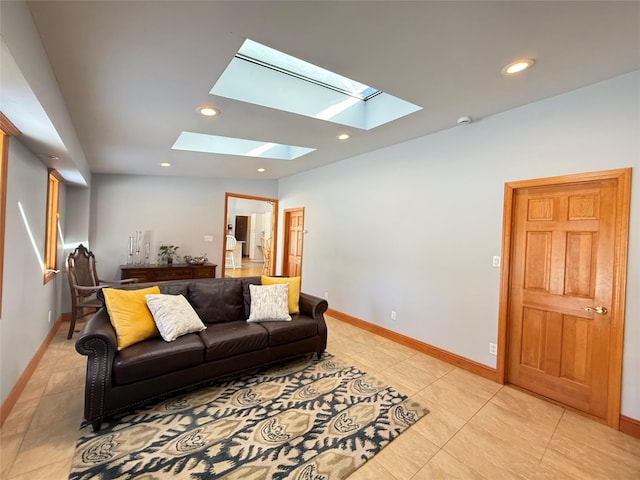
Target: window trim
(7, 130)
(51, 231)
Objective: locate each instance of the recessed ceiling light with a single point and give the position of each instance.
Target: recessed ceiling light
(49, 156)
(261, 170)
(208, 111)
(518, 66)
(344, 136)
(165, 164)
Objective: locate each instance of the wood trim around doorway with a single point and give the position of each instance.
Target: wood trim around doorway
(623, 177)
(274, 223)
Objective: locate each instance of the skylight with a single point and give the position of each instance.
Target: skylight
(263, 76)
(200, 142)
(269, 58)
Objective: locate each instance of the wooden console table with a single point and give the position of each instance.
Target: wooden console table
(159, 273)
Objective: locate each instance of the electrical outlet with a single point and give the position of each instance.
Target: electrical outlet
(326, 295)
(393, 314)
(493, 349)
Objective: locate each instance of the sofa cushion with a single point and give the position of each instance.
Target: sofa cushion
(246, 294)
(269, 303)
(129, 315)
(155, 357)
(175, 289)
(174, 316)
(228, 339)
(286, 332)
(217, 300)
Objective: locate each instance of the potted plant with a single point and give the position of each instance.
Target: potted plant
(166, 254)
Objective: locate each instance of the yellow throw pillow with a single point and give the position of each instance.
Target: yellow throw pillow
(294, 289)
(129, 314)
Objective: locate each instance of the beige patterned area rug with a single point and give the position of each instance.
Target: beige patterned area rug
(308, 419)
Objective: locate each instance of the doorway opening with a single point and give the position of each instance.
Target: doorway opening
(251, 222)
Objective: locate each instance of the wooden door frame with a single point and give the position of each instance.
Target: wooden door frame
(274, 224)
(623, 176)
(285, 237)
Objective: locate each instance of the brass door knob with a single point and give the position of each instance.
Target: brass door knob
(599, 310)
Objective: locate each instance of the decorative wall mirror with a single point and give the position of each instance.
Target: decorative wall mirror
(249, 233)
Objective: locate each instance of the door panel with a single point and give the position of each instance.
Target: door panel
(562, 261)
(293, 235)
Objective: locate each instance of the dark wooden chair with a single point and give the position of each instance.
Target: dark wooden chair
(84, 283)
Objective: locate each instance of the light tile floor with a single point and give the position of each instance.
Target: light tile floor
(476, 429)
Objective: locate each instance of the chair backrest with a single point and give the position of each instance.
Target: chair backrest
(231, 242)
(81, 268)
(265, 243)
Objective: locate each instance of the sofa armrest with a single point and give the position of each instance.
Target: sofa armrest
(97, 327)
(312, 306)
(98, 341)
(315, 307)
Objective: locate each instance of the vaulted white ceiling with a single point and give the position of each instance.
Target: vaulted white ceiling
(133, 73)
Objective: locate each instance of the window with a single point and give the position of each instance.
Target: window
(6, 129)
(264, 56)
(51, 239)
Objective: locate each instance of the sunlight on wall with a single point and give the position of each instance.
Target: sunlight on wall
(60, 234)
(33, 240)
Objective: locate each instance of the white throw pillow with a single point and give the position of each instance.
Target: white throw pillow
(173, 315)
(269, 303)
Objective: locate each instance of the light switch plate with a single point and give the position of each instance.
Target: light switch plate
(496, 261)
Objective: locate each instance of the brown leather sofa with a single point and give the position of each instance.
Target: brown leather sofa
(118, 381)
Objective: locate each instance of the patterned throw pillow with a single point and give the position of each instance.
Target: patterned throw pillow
(269, 303)
(174, 316)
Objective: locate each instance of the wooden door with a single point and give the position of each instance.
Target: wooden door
(293, 234)
(564, 331)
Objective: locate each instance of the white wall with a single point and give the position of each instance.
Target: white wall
(78, 214)
(27, 304)
(413, 227)
(177, 210)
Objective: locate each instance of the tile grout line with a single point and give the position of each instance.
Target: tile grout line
(29, 425)
(459, 430)
(24, 435)
(29, 422)
(546, 447)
